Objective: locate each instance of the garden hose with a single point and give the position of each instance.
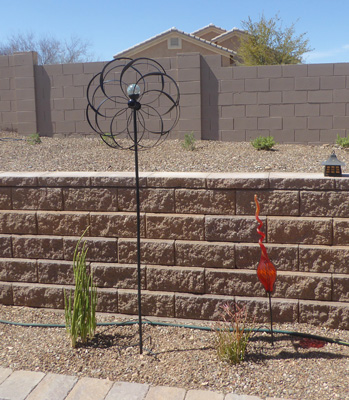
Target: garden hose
(167, 324)
(10, 139)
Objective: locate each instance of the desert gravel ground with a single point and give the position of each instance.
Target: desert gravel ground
(173, 356)
(180, 357)
(91, 154)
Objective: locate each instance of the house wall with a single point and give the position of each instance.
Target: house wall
(209, 35)
(293, 103)
(232, 42)
(199, 245)
(161, 50)
(209, 32)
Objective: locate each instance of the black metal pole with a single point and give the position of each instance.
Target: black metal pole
(138, 233)
(271, 320)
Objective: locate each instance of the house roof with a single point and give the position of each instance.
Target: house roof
(189, 36)
(209, 27)
(225, 34)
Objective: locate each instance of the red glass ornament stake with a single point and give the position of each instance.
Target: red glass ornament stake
(266, 271)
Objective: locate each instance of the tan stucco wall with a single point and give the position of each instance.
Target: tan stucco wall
(161, 50)
(232, 42)
(210, 34)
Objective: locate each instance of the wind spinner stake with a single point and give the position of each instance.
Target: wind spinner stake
(266, 271)
(133, 105)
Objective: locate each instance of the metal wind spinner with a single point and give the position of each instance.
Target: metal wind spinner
(133, 105)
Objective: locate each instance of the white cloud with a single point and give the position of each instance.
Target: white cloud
(330, 55)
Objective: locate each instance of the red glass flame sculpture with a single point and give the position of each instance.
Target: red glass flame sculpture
(266, 271)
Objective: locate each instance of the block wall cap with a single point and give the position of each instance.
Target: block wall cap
(167, 174)
(194, 180)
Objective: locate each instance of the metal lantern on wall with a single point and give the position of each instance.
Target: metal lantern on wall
(333, 167)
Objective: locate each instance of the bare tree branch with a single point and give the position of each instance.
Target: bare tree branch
(50, 50)
(76, 50)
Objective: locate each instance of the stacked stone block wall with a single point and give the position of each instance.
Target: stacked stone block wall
(293, 103)
(199, 245)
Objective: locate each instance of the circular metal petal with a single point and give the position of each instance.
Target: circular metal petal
(108, 113)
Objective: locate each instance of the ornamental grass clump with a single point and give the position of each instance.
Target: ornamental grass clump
(80, 313)
(232, 335)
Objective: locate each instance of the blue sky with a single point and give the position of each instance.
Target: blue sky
(113, 25)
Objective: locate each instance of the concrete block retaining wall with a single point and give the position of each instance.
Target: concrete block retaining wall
(199, 242)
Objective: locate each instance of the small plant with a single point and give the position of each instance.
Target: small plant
(80, 315)
(189, 142)
(232, 335)
(342, 141)
(107, 138)
(34, 138)
(263, 142)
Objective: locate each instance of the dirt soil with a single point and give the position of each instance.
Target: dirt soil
(180, 357)
(91, 154)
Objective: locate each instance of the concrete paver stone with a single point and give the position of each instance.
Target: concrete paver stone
(276, 398)
(53, 387)
(127, 391)
(19, 384)
(233, 396)
(4, 373)
(163, 392)
(203, 395)
(27, 385)
(90, 389)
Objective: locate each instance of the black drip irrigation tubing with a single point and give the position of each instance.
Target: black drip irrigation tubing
(10, 139)
(202, 328)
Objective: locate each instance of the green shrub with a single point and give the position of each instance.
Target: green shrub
(232, 335)
(34, 138)
(189, 142)
(342, 141)
(263, 142)
(107, 138)
(80, 315)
